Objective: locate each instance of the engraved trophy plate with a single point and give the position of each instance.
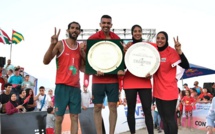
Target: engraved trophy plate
(142, 58)
(105, 56)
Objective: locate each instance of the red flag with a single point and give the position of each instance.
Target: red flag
(27, 99)
(4, 38)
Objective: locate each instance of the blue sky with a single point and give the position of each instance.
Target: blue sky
(192, 20)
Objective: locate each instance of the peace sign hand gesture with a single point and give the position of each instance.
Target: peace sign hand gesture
(177, 45)
(54, 38)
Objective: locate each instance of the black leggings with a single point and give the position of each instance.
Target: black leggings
(146, 100)
(166, 110)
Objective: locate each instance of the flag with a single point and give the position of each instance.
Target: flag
(4, 38)
(17, 37)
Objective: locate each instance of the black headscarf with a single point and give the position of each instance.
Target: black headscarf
(14, 103)
(132, 30)
(167, 44)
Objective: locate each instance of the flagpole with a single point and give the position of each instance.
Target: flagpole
(11, 50)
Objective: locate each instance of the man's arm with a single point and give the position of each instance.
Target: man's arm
(50, 53)
(53, 48)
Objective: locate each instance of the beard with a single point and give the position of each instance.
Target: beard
(73, 37)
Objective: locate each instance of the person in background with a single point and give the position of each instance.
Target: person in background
(104, 84)
(12, 106)
(3, 79)
(194, 93)
(197, 87)
(26, 83)
(204, 93)
(16, 81)
(43, 100)
(165, 88)
(206, 99)
(213, 89)
(9, 74)
(179, 109)
(9, 66)
(188, 103)
(210, 118)
(85, 98)
(5, 96)
(31, 102)
(50, 93)
(156, 117)
(186, 86)
(21, 99)
(50, 121)
(134, 85)
(70, 60)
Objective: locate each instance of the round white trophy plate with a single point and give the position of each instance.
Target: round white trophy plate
(142, 58)
(105, 56)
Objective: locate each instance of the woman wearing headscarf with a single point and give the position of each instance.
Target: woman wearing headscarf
(134, 85)
(12, 105)
(165, 88)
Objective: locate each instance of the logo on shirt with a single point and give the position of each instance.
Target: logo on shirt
(163, 59)
(66, 53)
(73, 69)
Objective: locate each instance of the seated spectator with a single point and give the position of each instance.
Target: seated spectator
(204, 93)
(26, 83)
(12, 105)
(31, 102)
(43, 100)
(5, 96)
(21, 99)
(50, 121)
(16, 81)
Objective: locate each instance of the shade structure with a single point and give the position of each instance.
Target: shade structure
(196, 70)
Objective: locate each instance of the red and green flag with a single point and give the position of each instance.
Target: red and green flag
(17, 37)
(4, 38)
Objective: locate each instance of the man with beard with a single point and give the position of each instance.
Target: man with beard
(104, 84)
(70, 57)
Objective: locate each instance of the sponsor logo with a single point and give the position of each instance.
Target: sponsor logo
(200, 123)
(163, 59)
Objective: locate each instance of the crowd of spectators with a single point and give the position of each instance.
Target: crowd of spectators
(17, 92)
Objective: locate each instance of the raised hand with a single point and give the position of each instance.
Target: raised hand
(177, 45)
(83, 45)
(54, 38)
(127, 46)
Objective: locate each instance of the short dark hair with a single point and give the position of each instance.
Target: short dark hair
(206, 97)
(106, 16)
(11, 70)
(49, 110)
(185, 84)
(7, 84)
(16, 69)
(42, 87)
(74, 22)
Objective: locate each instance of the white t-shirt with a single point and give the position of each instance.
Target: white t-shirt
(46, 102)
(85, 99)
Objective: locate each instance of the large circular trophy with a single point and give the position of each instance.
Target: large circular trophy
(105, 56)
(142, 58)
